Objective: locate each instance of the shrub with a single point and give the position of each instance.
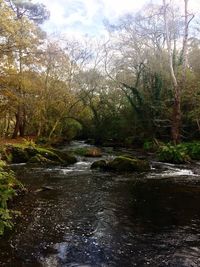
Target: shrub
(173, 154)
(193, 149)
(8, 183)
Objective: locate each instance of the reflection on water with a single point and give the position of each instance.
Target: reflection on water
(93, 219)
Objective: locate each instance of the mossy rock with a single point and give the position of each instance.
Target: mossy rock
(40, 160)
(23, 154)
(31, 151)
(49, 154)
(127, 164)
(65, 157)
(99, 164)
(15, 154)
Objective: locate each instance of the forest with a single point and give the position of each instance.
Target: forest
(106, 125)
(140, 83)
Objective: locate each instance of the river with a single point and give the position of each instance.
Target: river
(95, 219)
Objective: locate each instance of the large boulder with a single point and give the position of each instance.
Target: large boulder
(52, 157)
(128, 164)
(35, 154)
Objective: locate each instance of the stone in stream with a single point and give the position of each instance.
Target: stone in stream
(123, 164)
(65, 157)
(99, 164)
(93, 152)
(88, 152)
(128, 164)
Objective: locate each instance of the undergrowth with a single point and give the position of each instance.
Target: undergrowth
(181, 153)
(8, 186)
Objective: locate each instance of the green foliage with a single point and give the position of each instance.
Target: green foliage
(8, 183)
(149, 145)
(5, 220)
(2, 164)
(192, 149)
(29, 143)
(173, 154)
(152, 145)
(71, 129)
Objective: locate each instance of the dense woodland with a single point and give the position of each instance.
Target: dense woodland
(139, 83)
(128, 195)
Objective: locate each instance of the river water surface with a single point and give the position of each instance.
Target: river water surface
(95, 219)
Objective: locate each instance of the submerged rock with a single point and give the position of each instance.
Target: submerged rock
(44, 188)
(100, 164)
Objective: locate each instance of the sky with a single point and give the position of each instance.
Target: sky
(86, 17)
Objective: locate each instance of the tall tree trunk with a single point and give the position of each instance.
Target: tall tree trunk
(17, 123)
(176, 114)
(7, 125)
(20, 123)
(22, 126)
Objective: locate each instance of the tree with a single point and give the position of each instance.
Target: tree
(177, 85)
(26, 39)
(35, 12)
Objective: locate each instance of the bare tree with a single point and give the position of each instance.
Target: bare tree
(177, 86)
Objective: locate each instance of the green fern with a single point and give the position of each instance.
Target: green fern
(174, 154)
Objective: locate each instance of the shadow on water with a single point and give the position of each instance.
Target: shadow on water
(94, 219)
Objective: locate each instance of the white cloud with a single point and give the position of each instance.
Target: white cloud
(85, 16)
(78, 17)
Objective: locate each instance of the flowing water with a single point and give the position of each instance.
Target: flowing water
(93, 219)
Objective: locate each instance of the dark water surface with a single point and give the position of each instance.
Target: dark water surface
(94, 219)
